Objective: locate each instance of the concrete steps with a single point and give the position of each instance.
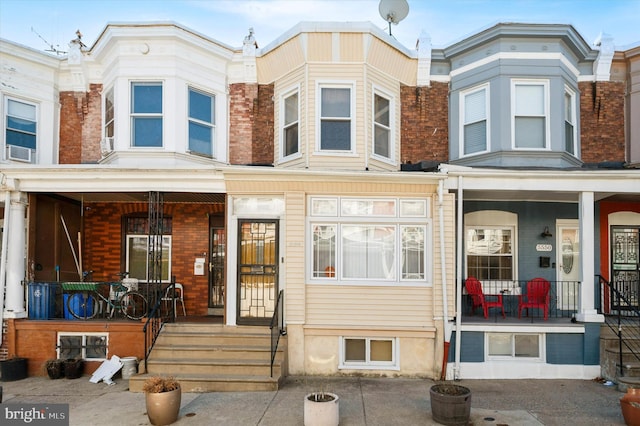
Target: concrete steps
(610, 358)
(215, 358)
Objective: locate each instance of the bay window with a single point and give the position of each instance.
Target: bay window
(335, 119)
(146, 114)
(290, 135)
(474, 120)
(530, 114)
(201, 123)
(382, 138)
(570, 121)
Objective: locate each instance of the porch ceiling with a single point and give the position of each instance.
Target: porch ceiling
(169, 197)
(544, 196)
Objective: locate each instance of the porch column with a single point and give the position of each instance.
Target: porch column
(14, 294)
(586, 307)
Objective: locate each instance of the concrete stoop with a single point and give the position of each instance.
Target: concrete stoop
(610, 361)
(215, 358)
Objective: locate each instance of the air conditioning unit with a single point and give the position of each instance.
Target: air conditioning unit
(19, 153)
(106, 146)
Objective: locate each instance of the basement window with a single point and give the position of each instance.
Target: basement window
(514, 346)
(368, 353)
(88, 346)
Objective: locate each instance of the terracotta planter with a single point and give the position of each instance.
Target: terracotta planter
(163, 407)
(321, 409)
(450, 404)
(630, 405)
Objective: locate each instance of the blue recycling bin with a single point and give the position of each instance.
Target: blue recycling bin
(76, 303)
(42, 300)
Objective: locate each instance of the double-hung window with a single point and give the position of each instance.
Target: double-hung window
(570, 121)
(382, 241)
(21, 130)
(290, 125)
(336, 119)
(382, 139)
(146, 114)
(201, 123)
(530, 114)
(139, 244)
(490, 253)
(474, 111)
(109, 114)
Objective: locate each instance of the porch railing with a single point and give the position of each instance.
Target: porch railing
(563, 299)
(619, 304)
(277, 327)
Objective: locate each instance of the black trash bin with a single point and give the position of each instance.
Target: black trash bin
(42, 300)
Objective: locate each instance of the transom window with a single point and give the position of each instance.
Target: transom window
(201, 123)
(474, 122)
(569, 121)
(382, 142)
(530, 114)
(290, 138)
(369, 241)
(146, 114)
(514, 345)
(82, 346)
(368, 352)
(335, 119)
(137, 248)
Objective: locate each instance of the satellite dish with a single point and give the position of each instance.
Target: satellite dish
(393, 11)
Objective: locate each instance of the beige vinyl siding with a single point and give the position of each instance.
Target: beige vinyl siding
(294, 256)
(280, 61)
(392, 62)
(319, 47)
(352, 47)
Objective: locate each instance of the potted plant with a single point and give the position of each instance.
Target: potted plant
(13, 368)
(54, 368)
(162, 397)
(321, 409)
(450, 404)
(73, 368)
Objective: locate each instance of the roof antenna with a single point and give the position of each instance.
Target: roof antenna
(51, 48)
(393, 11)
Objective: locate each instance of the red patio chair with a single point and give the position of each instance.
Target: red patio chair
(537, 297)
(474, 289)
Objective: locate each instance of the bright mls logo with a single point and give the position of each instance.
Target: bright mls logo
(35, 414)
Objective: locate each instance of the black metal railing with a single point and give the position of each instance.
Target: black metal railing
(563, 299)
(152, 328)
(619, 304)
(277, 327)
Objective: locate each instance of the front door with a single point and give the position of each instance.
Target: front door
(625, 265)
(257, 270)
(568, 261)
(216, 268)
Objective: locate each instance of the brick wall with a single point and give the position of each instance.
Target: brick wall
(263, 126)
(241, 108)
(602, 121)
(425, 123)
(80, 126)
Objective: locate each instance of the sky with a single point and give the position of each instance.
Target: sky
(51, 24)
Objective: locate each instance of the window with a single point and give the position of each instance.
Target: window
(290, 135)
(335, 119)
(108, 114)
(21, 130)
(85, 346)
(569, 121)
(137, 242)
(368, 352)
(530, 125)
(382, 143)
(474, 110)
(490, 253)
(514, 345)
(146, 114)
(369, 240)
(201, 123)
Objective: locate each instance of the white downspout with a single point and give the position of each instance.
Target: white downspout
(456, 367)
(443, 270)
(3, 255)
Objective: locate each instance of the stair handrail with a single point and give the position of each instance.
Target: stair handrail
(632, 312)
(151, 329)
(276, 327)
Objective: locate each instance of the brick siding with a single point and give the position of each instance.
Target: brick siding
(80, 126)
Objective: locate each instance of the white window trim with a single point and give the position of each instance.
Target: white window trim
(84, 342)
(352, 90)
(286, 94)
(396, 221)
(463, 94)
(541, 348)
(392, 126)
(213, 125)
(547, 105)
(5, 113)
(132, 115)
(574, 115)
(394, 364)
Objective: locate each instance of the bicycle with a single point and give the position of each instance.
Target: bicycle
(87, 299)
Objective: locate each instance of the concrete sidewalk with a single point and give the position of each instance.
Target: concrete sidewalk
(363, 401)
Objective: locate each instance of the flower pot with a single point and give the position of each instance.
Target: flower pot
(55, 368)
(450, 404)
(163, 407)
(630, 405)
(13, 369)
(73, 368)
(321, 409)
